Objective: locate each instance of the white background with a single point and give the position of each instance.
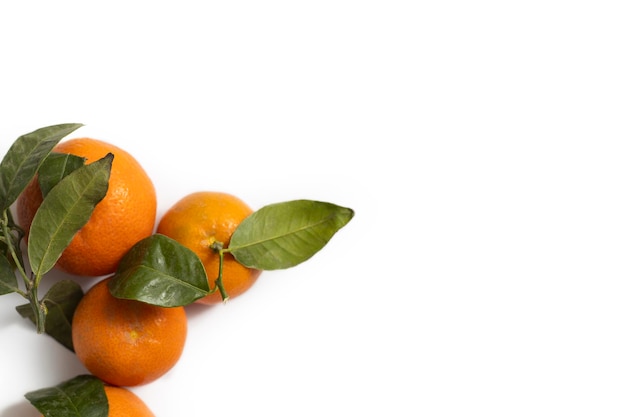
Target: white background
(480, 143)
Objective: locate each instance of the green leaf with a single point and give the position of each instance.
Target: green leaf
(160, 271)
(65, 210)
(20, 163)
(4, 250)
(283, 235)
(8, 281)
(81, 396)
(61, 301)
(56, 167)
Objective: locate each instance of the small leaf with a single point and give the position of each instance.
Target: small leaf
(8, 281)
(283, 235)
(160, 271)
(61, 301)
(81, 396)
(20, 163)
(4, 250)
(65, 210)
(12, 240)
(56, 167)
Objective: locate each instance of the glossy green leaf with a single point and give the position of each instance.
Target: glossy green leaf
(20, 163)
(160, 271)
(283, 235)
(56, 167)
(65, 210)
(61, 301)
(81, 396)
(8, 280)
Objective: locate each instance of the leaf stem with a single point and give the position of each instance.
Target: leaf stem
(218, 281)
(11, 243)
(39, 308)
(31, 283)
(218, 247)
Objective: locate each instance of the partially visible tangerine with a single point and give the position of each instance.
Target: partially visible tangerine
(202, 218)
(124, 403)
(126, 342)
(126, 215)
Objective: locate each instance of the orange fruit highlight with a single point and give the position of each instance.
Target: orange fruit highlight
(126, 215)
(198, 220)
(126, 342)
(124, 403)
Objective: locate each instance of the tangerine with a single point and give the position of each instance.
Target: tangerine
(202, 218)
(124, 403)
(126, 342)
(126, 215)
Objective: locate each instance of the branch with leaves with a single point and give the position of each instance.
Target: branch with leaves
(157, 270)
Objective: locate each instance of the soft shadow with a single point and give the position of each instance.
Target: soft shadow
(196, 309)
(21, 409)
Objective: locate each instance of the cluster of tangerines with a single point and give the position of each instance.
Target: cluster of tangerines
(124, 342)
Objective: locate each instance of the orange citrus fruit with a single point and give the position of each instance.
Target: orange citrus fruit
(202, 218)
(126, 342)
(124, 403)
(126, 215)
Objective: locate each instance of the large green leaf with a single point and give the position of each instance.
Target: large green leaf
(20, 163)
(8, 280)
(65, 210)
(282, 235)
(81, 396)
(61, 301)
(56, 167)
(160, 271)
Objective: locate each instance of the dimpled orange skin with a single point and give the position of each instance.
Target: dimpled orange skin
(126, 215)
(124, 403)
(126, 342)
(198, 220)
